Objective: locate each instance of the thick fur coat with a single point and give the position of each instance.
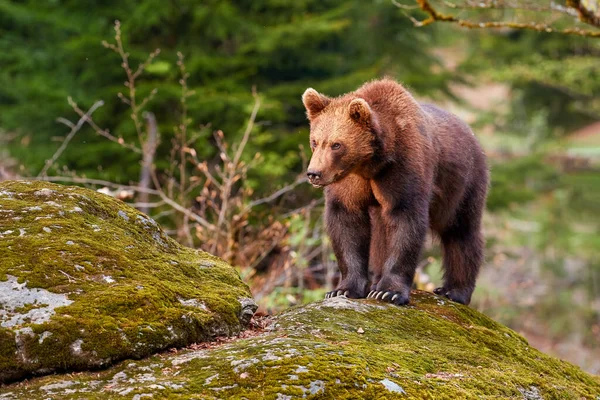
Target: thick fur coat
(391, 168)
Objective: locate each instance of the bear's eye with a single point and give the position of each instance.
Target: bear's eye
(313, 144)
(336, 146)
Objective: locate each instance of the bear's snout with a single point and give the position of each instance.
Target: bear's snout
(314, 177)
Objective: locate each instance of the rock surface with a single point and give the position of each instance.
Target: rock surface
(86, 280)
(342, 349)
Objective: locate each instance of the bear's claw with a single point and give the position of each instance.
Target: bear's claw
(336, 293)
(389, 297)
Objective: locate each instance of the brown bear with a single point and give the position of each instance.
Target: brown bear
(391, 168)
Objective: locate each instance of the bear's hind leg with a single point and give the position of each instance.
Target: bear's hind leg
(378, 246)
(463, 246)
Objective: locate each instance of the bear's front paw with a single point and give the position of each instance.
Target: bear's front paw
(458, 295)
(390, 296)
(352, 288)
(349, 293)
(440, 291)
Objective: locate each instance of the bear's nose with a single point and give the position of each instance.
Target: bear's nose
(313, 175)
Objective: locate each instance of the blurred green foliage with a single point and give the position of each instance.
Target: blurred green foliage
(519, 181)
(557, 74)
(52, 49)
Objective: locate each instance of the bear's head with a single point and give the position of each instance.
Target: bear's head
(342, 133)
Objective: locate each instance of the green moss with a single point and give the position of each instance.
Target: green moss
(133, 290)
(346, 349)
(8, 347)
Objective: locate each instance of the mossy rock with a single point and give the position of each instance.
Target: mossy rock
(86, 280)
(342, 349)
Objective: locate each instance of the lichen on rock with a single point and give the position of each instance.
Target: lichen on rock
(22, 305)
(342, 349)
(86, 280)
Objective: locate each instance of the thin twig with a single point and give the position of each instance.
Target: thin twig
(277, 194)
(173, 204)
(136, 108)
(495, 5)
(69, 277)
(203, 167)
(249, 127)
(74, 129)
(103, 132)
(148, 157)
(182, 130)
(233, 167)
(65, 121)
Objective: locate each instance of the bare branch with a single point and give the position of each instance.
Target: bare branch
(274, 196)
(136, 108)
(233, 166)
(148, 61)
(589, 11)
(145, 100)
(220, 141)
(585, 14)
(502, 5)
(103, 132)
(69, 277)
(148, 159)
(184, 123)
(203, 167)
(74, 129)
(66, 122)
(240, 150)
(193, 216)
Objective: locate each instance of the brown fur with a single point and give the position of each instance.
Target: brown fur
(391, 169)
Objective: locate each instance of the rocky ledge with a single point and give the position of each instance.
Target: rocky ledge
(342, 349)
(86, 280)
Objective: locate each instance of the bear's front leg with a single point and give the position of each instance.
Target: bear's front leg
(349, 231)
(407, 230)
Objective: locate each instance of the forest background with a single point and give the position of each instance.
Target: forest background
(208, 134)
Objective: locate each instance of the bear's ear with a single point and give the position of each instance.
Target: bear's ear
(314, 102)
(360, 111)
